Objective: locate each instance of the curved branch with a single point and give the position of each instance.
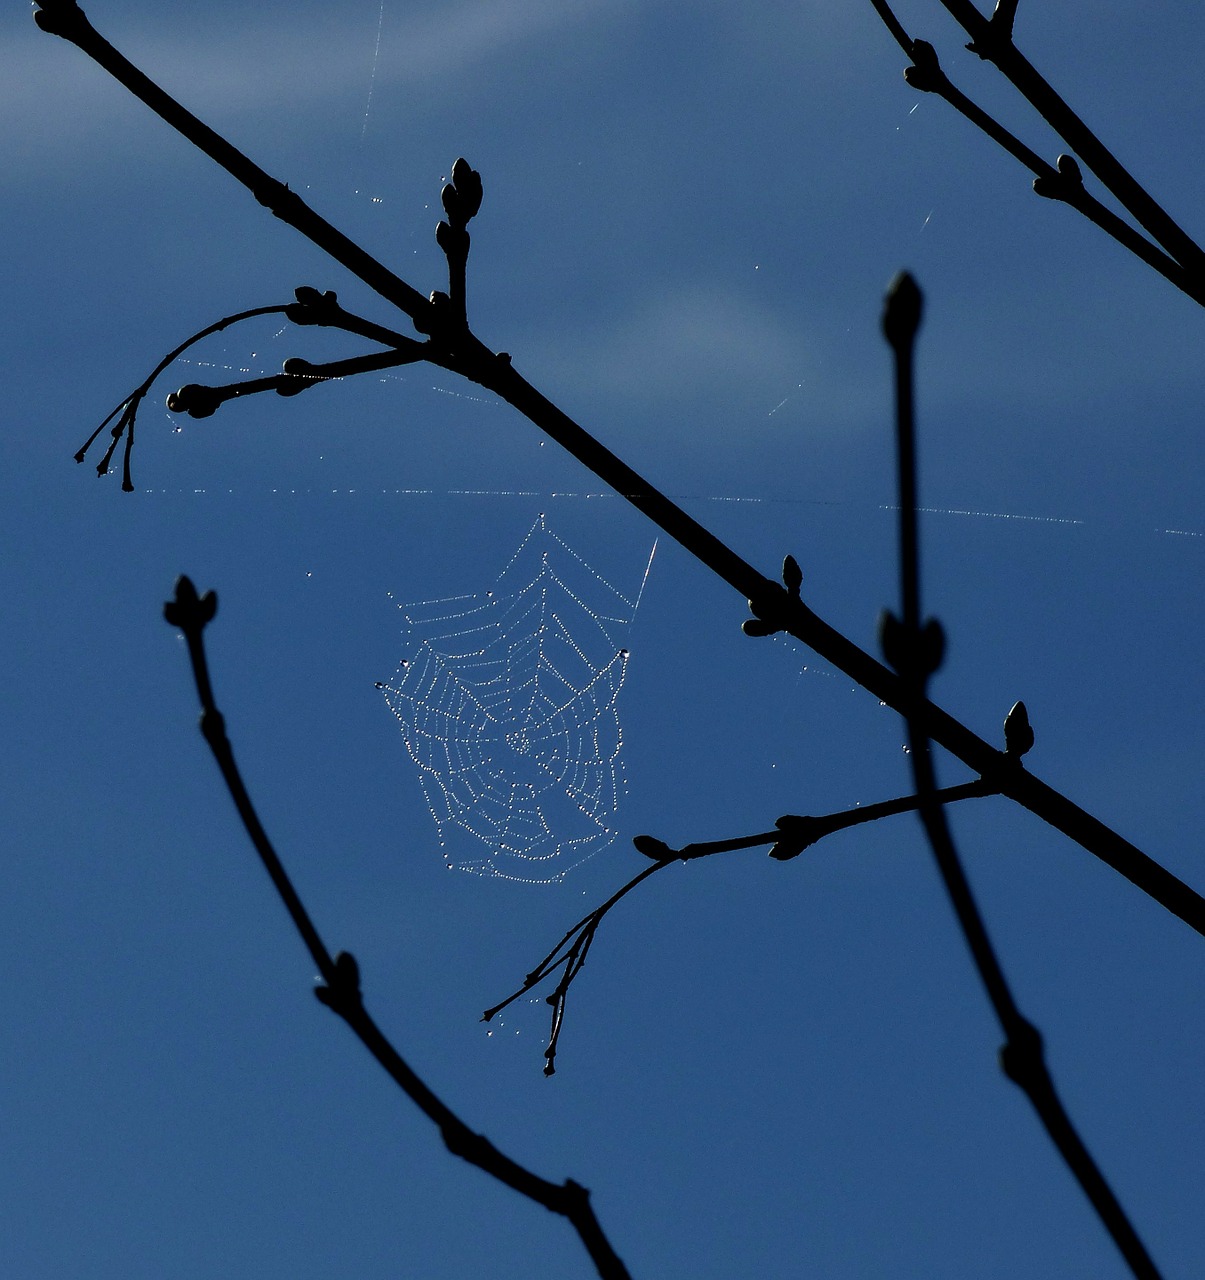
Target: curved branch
(791, 835)
(341, 977)
(128, 408)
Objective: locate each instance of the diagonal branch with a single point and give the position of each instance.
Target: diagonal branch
(781, 610)
(991, 39)
(1062, 182)
(784, 611)
(340, 991)
(66, 19)
(916, 651)
(791, 835)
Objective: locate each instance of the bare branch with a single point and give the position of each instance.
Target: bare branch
(1057, 182)
(914, 651)
(340, 989)
(310, 308)
(992, 40)
(791, 835)
(201, 401)
(128, 408)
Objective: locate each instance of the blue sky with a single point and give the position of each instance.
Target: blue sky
(691, 213)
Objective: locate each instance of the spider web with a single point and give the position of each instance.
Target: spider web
(508, 708)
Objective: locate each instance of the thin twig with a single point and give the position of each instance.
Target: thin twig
(200, 400)
(992, 40)
(927, 76)
(341, 977)
(570, 954)
(791, 835)
(310, 308)
(128, 408)
(915, 650)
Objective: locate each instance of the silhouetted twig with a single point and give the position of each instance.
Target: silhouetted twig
(1180, 260)
(128, 408)
(776, 608)
(915, 649)
(992, 39)
(201, 401)
(792, 834)
(340, 989)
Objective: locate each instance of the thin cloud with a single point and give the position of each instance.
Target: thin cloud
(50, 93)
(700, 341)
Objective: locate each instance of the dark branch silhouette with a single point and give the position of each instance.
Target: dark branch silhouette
(1170, 251)
(128, 408)
(340, 989)
(792, 834)
(915, 649)
(200, 401)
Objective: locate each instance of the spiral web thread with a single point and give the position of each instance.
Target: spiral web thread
(508, 708)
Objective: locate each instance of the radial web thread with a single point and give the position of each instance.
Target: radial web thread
(508, 708)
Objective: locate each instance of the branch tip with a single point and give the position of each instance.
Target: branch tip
(195, 400)
(189, 612)
(903, 308)
(792, 575)
(462, 196)
(653, 848)
(1018, 732)
(60, 18)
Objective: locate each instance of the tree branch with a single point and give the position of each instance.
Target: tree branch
(1062, 181)
(791, 835)
(202, 401)
(340, 989)
(992, 40)
(310, 308)
(915, 649)
(66, 19)
(128, 408)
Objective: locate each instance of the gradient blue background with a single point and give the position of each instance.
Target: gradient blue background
(691, 213)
